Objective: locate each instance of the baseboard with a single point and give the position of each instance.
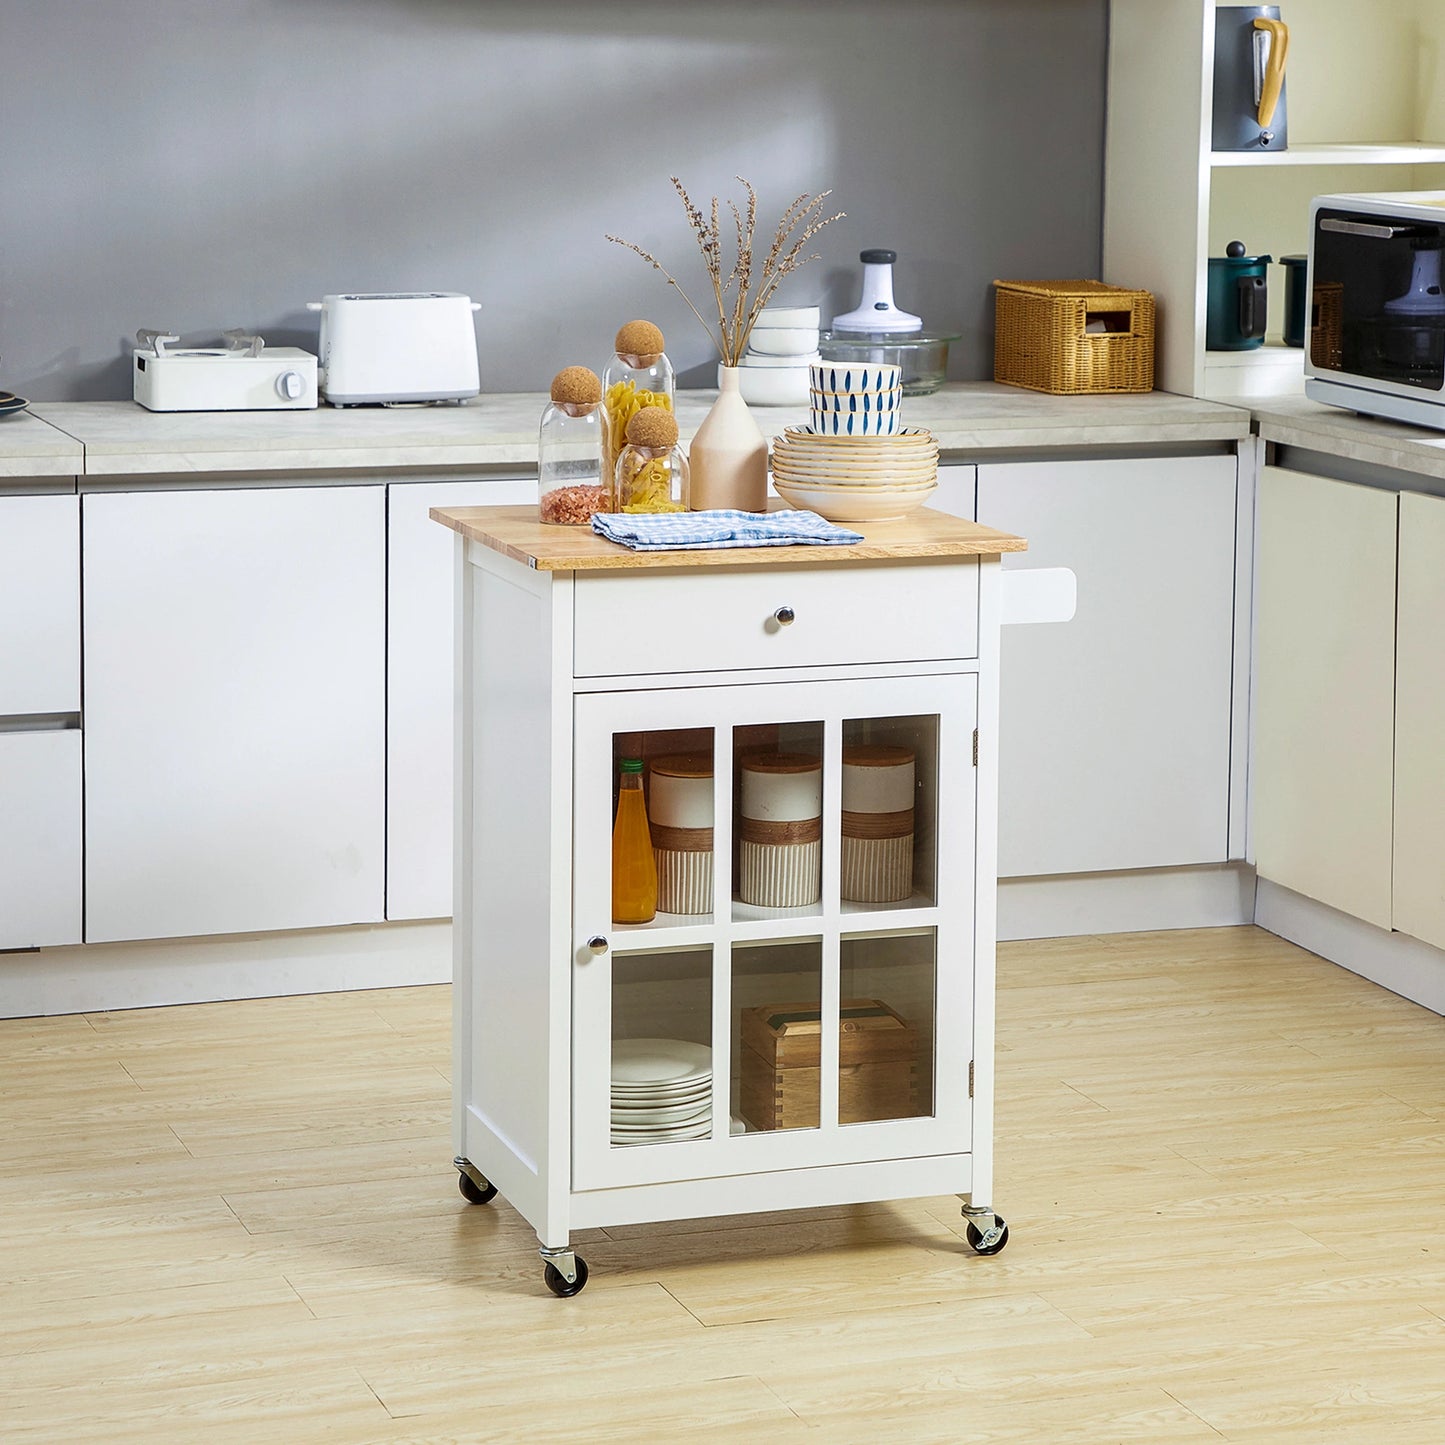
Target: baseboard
(1395, 961)
(1216, 895)
(93, 978)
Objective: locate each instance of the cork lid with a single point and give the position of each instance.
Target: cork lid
(639, 342)
(781, 763)
(653, 426)
(684, 765)
(877, 755)
(578, 385)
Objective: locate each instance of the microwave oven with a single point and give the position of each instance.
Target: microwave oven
(1376, 336)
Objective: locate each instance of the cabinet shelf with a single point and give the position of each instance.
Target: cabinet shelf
(1401, 153)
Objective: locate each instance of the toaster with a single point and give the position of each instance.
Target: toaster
(397, 346)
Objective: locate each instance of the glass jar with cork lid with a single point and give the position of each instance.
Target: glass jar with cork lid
(651, 473)
(571, 485)
(638, 375)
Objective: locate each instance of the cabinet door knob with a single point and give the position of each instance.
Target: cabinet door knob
(597, 945)
(784, 616)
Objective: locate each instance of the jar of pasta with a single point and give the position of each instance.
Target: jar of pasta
(651, 473)
(571, 483)
(638, 375)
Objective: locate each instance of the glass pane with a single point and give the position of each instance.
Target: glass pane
(777, 819)
(661, 1046)
(662, 831)
(777, 994)
(885, 1026)
(889, 844)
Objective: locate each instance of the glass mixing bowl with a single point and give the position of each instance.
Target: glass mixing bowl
(923, 355)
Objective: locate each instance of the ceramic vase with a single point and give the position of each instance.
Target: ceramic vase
(728, 458)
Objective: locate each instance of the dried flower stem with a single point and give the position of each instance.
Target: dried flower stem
(787, 253)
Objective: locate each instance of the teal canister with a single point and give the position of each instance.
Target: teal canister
(1238, 300)
(1296, 309)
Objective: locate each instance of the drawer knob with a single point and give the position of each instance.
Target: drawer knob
(597, 945)
(784, 616)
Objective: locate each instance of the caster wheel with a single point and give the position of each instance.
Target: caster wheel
(559, 1286)
(975, 1238)
(473, 1193)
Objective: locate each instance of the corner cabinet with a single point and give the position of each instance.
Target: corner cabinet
(799, 1030)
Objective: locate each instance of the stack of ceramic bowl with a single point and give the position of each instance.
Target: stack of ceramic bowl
(661, 1091)
(855, 401)
(774, 370)
(855, 478)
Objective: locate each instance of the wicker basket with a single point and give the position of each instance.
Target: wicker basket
(1040, 340)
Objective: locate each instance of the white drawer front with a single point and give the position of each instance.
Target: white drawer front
(678, 621)
(39, 838)
(39, 604)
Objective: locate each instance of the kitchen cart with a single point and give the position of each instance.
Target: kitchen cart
(574, 654)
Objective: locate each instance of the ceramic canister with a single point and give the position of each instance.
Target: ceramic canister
(877, 845)
(680, 817)
(780, 832)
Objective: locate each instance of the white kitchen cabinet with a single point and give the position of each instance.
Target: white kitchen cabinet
(39, 604)
(548, 989)
(1115, 735)
(1322, 771)
(1419, 819)
(419, 691)
(234, 710)
(40, 809)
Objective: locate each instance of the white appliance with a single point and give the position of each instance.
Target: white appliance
(244, 375)
(398, 346)
(1375, 341)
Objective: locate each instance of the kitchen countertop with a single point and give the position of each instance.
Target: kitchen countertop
(516, 533)
(122, 439)
(30, 448)
(1299, 422)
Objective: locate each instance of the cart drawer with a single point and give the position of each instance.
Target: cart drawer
(675, 621)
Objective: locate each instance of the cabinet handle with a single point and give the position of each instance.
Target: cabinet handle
(597, 945)
(784, 616)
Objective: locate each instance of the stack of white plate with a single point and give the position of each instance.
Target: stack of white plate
(856, 479)
(661, 1091)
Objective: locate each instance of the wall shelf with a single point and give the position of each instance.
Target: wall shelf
(1364, 114)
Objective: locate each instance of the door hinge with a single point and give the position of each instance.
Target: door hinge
(975, 747)
(970, 1078)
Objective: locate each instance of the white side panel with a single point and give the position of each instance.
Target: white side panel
(420, 690)
(1115, 727)
(39, 604)
(1419, 871)
(40, 867)
(513, 967)
(235, 717)
(1324, 713)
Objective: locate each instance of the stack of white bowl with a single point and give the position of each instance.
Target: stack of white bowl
(774, 371)
(855, 399)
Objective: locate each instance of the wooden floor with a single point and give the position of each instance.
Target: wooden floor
(1222, 1161)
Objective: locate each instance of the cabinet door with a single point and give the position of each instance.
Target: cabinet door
(1114, 730)
(804, 994)
(39, 838)
(39, 604)
(1321, 774)
(234, 710)
(419, 688)
(1419, 855)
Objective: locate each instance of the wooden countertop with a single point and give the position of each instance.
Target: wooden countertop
(517, 533)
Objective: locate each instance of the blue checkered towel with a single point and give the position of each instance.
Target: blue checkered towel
(669, 531)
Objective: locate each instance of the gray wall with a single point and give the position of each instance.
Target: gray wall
(200, 164)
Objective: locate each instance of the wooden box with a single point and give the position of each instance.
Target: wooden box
(780, 1074)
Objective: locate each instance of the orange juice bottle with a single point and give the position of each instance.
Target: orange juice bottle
(634, 869)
